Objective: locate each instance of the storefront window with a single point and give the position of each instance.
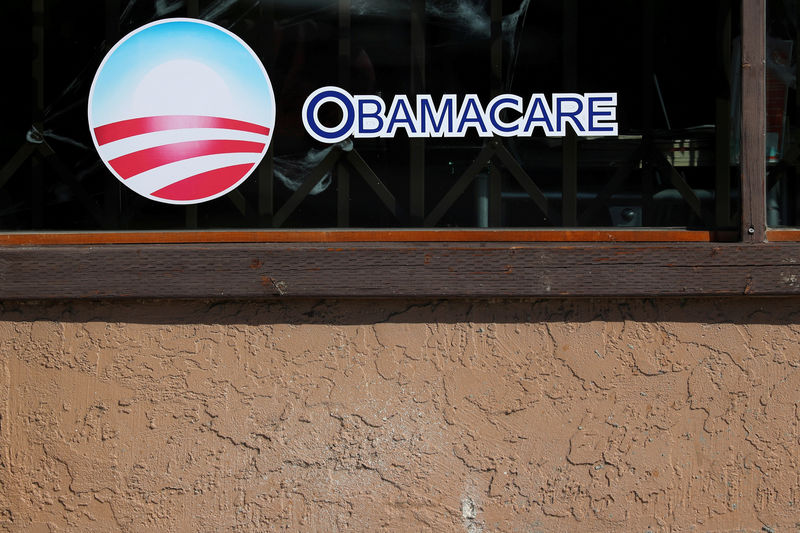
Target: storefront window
(672, 65)
(782, 114)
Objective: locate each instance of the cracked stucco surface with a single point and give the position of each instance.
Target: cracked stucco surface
(556, 415)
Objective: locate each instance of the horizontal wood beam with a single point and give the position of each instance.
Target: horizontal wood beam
(268, 270)
(369, 235)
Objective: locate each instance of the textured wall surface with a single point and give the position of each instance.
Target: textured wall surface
(560, 415)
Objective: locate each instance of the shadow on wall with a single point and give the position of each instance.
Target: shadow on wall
(775, 311)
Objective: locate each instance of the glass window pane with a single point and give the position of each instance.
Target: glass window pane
(673, 66)
(783, 114)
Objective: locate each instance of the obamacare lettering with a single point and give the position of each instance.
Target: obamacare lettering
(365, 116)
(182, 111)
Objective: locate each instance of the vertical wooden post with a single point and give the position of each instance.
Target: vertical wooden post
(37, 72)
(722, 151)
(266, 188)
(495, 195)
(569, 153)
(266, 170)
(754, 164)
(417, 145)
(648, 90)
(192, 11)
(496, 47)
(112, 189)
(342, 195)
(345, 54)
(345, 43)
(494, 188)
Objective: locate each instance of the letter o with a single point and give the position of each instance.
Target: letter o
(338, 96)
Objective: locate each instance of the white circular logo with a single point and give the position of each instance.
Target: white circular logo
(181, 111)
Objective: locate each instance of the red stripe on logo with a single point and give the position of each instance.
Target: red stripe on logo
(204, 185)
(138, 126)
(137, 162)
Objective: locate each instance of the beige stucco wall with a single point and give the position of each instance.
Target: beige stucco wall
(557, 415)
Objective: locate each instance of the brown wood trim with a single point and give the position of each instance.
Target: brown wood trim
(753, 149)
(333, 236)
(423, 270)
(783, 235)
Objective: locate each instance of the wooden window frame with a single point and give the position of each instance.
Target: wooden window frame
(432, 263)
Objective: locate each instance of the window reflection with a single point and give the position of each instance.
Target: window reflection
(783, 114)
(672, 63)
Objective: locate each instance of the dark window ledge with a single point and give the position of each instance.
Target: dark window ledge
(400, 269)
